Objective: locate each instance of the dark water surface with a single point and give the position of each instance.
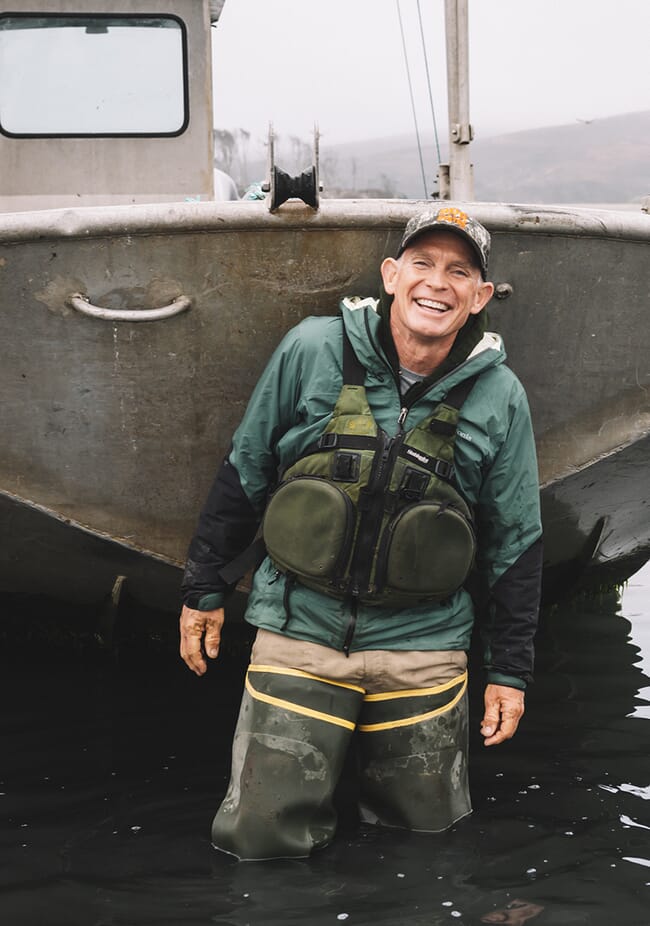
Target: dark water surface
(110, 773)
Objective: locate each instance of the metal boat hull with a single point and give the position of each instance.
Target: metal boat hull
(113, 429)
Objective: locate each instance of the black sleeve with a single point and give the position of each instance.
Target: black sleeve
(510, 620)
(227, 525)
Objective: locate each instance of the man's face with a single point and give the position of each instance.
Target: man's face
(436, 285)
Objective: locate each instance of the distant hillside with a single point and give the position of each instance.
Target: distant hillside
(606, 160)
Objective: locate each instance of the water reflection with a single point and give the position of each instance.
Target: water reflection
(514, 913)
(635, 607)
(109, 779)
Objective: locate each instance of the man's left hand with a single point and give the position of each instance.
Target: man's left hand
(504, 708)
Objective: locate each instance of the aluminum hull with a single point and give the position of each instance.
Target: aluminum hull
(114, 428)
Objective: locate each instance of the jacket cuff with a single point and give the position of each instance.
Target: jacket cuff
(203, 602)
(511, 681)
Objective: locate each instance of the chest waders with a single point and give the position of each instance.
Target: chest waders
(366, 518)
(370, 518)
(292, 736)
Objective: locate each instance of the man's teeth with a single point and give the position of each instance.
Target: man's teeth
(431, 304)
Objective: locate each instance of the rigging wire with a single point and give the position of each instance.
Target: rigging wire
(415, 118)
(426, 65)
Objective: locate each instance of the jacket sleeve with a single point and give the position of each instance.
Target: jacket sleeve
(227, 525)
(233, 510)
(510, 621)
(509, 556)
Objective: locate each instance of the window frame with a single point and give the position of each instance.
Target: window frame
(112, 16)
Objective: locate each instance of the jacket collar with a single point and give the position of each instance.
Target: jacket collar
(366, 324)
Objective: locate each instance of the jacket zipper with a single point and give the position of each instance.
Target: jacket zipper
(352, 623)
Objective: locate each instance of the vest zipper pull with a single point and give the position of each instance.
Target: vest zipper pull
(402, 418)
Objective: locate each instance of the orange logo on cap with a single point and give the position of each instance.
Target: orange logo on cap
(453, 216)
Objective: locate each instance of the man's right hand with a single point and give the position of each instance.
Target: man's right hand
(200, 629)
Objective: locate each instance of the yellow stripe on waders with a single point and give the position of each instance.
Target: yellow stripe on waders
(416, 692)
(256, 667)
(418, 718)
(292, 706)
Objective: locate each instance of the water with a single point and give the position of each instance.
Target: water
(110, 774)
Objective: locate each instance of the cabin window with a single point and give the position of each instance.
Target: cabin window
(92, 75)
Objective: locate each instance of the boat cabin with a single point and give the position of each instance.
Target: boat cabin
(105, 102)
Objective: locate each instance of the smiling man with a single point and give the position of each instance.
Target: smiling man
(436, 284)
(407, 466)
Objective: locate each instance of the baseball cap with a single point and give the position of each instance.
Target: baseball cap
(454, 220)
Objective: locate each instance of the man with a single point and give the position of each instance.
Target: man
(406, 459)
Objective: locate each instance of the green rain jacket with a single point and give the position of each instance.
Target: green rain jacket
(496, 472)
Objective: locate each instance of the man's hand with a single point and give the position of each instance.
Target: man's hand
(504, 708)
(199, 629)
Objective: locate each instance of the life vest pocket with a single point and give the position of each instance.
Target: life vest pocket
(426, 551)
(308, 528)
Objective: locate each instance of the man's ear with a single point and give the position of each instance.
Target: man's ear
(388, 269)
(483, 296)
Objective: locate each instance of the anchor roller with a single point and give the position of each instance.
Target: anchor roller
(281, 186)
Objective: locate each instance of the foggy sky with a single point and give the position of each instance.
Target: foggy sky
(340, 64)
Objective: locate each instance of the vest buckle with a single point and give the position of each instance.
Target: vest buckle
(346, 466)
(443, 469)
(414, 485)
(328, 441)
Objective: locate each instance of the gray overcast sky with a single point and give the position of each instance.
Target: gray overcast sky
(339, 63)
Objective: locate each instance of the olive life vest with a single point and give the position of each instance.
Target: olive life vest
(372, 518)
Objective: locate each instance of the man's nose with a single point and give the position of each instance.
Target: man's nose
(437, 278)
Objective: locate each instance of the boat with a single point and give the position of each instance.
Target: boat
(136, 312)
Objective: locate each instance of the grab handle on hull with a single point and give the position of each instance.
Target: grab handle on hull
(82, 304)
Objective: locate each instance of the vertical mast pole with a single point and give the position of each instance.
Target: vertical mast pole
(461, 179)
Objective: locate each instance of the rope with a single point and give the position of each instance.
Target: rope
(415, 118)
(426, 65)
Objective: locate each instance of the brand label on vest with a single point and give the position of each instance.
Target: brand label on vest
(420, 457)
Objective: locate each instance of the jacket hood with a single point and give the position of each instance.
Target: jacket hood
(366, 322)
(468, 336)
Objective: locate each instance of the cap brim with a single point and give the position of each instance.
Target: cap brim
(446, 226)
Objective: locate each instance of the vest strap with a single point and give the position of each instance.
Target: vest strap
(455, 399)
(443, 428)
(354, 373)
(458, 394)
(250, 558)
(332, 441)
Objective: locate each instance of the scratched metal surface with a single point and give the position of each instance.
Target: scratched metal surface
(117, 427)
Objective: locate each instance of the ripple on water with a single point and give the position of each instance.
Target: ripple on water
(110, 779)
